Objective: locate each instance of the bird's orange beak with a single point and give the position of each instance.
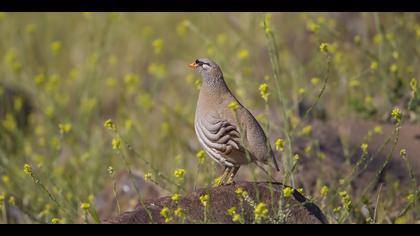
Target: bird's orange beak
(193, 65)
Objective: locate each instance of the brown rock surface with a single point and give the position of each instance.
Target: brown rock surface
(221, 199)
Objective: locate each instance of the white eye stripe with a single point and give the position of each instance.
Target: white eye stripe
(205, 66)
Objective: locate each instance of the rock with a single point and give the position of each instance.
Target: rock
(220, 200)
(105, 202)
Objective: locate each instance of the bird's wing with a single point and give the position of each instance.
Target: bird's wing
(219, 136)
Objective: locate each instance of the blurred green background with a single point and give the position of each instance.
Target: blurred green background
(62, 75)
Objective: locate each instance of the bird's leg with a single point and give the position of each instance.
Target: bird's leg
(232, 175)
(220, 180)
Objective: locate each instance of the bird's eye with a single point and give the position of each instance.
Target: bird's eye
(197, 61)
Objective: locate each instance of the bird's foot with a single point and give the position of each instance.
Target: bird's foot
(230, 181)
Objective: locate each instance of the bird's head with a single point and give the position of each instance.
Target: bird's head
(207, 68)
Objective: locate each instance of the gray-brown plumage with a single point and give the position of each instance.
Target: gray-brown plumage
(230, 137)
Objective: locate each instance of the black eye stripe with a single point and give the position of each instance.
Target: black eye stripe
(200, 63)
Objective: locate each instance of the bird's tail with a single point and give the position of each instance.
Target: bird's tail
(274, 160)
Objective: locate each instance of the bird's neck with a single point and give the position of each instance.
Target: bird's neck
(213, 91)
(215, 85)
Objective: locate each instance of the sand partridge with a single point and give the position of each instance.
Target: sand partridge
(229, 135)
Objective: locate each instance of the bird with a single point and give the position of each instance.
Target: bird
(230, 135)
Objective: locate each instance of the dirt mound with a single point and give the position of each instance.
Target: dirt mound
(220, 200)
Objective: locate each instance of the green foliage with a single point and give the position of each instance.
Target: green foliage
(111, 92)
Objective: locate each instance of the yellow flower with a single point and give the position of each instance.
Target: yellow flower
(315, 81)
(401, 220)
(55, 47)
(55, 221)
(204, 199)
(395, 55)
(176, 197)
(324, 191)
(2, 197)
(88, 104)
(374, 65)
(288, 191)
(166, 214)
(85, 206)
(217, 181)
(182, 27)
(27, 169)
(411, 198)
(301, 91)
(109, 124)
(233, 105)
(356, 39)
(364, 148)
(243, 54)
(179, 212)
(345, 200)
(148, 176)
(179, 173)
(369, 101)
(260, 212)
(377, 39)
(231, 211)
(128, 124)
(198, 83)
(354, 83)
(337, 209)
(5, 179)
(110, 170)
(157, 70)
(239, 191)
(201, 155)
(403, 153)
(157, 45)
(9, 123)
(396, 114)
(131, 79)
(296, 157)
(91, 198)
(49, 111)
(312, 26)
(116, 143)
(236, 218)
(308, 149)
(393, 68)
(300, 190)
(264, 91)
(307, 130)
(377, 129)
(12, 200)
(390, 36)
(280, 144)
(413, 85)
(324, 47)
(64, 128)
(18, 103)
